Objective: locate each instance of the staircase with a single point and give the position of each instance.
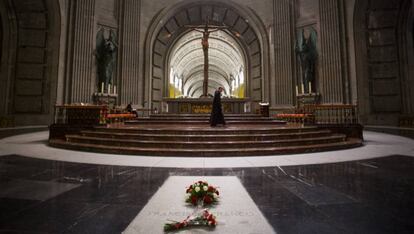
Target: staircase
(169, 135)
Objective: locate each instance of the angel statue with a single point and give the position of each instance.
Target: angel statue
(308, 55)
(106, 53)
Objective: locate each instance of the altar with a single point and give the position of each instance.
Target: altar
(204, 105)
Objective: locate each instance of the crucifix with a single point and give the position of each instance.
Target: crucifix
(205, 30)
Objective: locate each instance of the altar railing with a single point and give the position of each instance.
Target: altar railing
(80, 114)
(333, 114)
(322, 114)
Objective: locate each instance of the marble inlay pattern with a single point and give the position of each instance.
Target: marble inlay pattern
(369, 196)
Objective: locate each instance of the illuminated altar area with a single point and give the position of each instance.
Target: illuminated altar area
(203, 105)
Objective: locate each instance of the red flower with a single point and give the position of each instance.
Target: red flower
(207, 199)
(206, 214)
(201, 194)
(217, 192)
(179, 225)
(212, 222)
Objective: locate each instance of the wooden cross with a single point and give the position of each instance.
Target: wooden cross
(206, 29)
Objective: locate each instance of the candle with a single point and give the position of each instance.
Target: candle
(303, 89)
(102, 87)
(310, 87)
(109, 88)
(114, 89)
(297, 90)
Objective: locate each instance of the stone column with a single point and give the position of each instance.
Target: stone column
(334, 85)
(129, 76)
(80, 80)
(282, 86)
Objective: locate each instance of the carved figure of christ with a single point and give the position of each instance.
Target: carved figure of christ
(205, 30)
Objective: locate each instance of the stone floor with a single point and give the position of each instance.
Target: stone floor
(370, 196)
(375, 145)
(365, 190)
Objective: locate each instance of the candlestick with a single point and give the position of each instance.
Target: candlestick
(310, 87)
(303, 89)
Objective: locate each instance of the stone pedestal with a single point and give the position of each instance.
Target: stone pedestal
(264, 109)
(105, 99)
(308, 98)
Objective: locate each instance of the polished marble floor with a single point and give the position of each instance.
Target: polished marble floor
(376, 145)
(366, 196)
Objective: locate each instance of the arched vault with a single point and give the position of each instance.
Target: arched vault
(186, 60)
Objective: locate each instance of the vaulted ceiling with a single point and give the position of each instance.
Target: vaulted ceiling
(187, 61)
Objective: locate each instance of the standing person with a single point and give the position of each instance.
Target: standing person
(217, 116)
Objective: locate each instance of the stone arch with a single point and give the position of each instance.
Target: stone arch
(219, 79)
(32, 39)
(225, 56)
(378, 42)
(168, 26)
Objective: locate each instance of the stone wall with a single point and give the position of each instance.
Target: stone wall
(29, 75)
(161, 22)
(48, 52)
(382, 94)
(3, 60)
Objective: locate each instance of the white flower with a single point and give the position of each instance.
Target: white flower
(215, 195)
(205, 188)
(197, 189)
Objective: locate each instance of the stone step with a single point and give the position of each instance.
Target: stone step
(198, 122)
(169, 129)
(205, 145)
(167, 115)
(206, 152)
(187, 118)
(207, 137)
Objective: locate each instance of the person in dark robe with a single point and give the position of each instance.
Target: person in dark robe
(129, 108)
(217, 116)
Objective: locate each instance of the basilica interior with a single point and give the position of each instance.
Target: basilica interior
(108, 109)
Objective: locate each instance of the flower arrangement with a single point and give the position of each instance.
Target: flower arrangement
(204, 219)
(201, 193)
(198, 194)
